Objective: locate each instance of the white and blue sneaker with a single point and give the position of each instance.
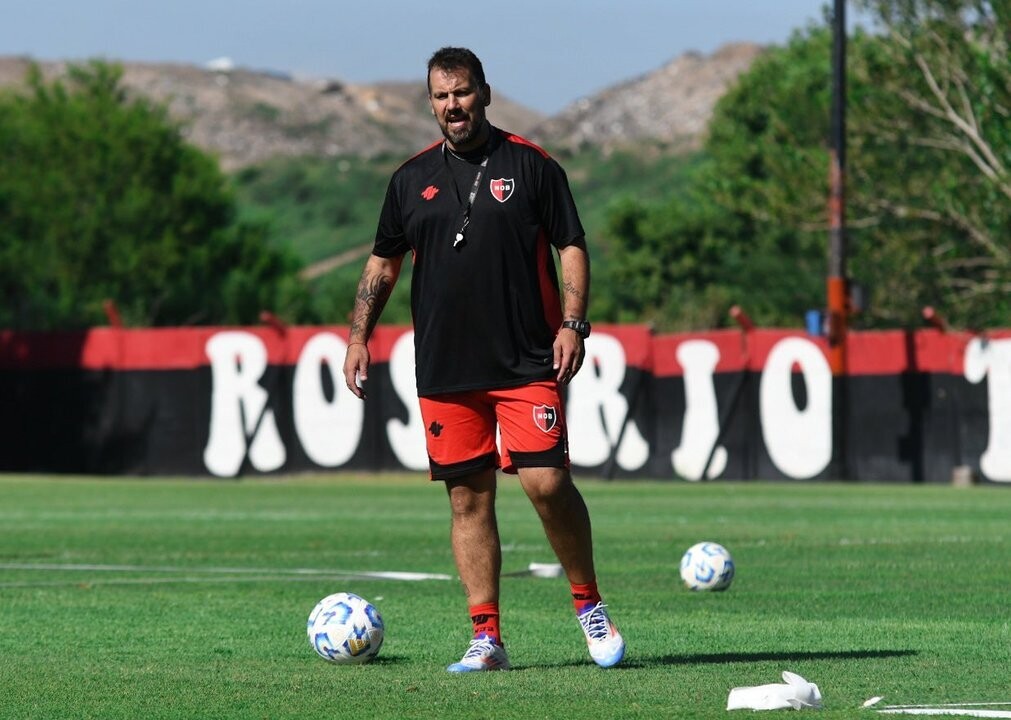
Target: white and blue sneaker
(483, 654)
(607, 647)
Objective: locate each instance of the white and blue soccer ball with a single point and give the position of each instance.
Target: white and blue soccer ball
(707, 566)
(345, 628)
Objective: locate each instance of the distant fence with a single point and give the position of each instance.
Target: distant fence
(919, 405)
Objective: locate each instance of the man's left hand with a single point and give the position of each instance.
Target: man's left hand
(569, 354)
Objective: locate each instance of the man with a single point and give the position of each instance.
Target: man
(480, 213)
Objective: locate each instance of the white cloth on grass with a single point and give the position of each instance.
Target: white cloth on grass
(796, 693)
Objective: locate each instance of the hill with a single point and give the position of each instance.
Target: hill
(247, 117)
(671, 105)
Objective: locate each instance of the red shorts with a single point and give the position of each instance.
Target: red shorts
(460, 430)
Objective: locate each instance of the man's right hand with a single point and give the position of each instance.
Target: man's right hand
(356, 368)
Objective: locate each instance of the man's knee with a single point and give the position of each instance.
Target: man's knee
(546, 484)
(472, 497)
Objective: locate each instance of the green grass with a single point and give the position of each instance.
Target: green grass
(898, 591)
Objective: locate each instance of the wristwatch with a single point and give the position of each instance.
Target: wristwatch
(580, 326)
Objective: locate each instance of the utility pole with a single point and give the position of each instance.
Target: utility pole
(837, 285)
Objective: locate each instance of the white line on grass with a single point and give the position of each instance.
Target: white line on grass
(179, 579)
(956, 711)
(948, 705)
(225, 571)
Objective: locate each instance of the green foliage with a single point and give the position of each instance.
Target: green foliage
(100, 197)
(606, 182)
(936, 143)
(188, 598)
(666, 258)
(323, 210)
(750, 227)
(928, 157)
(316, 206)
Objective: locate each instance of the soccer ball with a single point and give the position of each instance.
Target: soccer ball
(345, 629)
(707, 566)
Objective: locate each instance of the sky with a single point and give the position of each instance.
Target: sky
(544, 54)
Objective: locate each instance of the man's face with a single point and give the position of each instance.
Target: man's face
(458, 105)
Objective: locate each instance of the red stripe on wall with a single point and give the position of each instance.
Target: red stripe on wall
(938, 352)
(733, 347)
(870, 353)
(886, 352)
(161, 348)
(879, 353)
(636, 340)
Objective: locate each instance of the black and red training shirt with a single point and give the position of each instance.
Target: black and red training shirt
(485, 312)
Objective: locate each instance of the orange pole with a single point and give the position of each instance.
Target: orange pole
(838, 325)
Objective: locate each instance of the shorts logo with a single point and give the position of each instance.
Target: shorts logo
(502, 189)
(545, 417)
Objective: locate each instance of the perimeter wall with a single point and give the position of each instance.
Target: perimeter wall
(915, 406)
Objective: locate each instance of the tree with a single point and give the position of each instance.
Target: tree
(100, 197)
(751, 227)
(929, 149)
(943, 106)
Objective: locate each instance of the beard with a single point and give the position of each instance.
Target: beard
(464, 136)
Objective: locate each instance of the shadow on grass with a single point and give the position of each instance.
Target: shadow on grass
(731, 657)
(721, 658)
(388, 659)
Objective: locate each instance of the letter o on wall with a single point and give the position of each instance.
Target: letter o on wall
(329, 431)
(799, 442)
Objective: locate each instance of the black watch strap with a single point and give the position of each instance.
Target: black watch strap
(580, 326)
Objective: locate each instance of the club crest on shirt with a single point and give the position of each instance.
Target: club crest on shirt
(502, 188)
(545, 417)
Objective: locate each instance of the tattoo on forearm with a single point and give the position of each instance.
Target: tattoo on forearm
(572, 291)
(373, 292)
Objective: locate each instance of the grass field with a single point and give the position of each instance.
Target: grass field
(124, 598)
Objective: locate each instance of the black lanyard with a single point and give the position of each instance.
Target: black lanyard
(462, 232)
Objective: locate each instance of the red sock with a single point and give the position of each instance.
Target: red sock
(584, 596)
(485, 619)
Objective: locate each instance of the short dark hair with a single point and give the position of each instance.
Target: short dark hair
(455, 58)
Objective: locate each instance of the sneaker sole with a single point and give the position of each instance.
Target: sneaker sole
(457, 668)
(612, 661)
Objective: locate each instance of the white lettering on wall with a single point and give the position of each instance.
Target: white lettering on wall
(407, 439)
(328, 430)
(241, 423)
(799, 441)
(701, 426)
(991, 359)
(596, 410)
